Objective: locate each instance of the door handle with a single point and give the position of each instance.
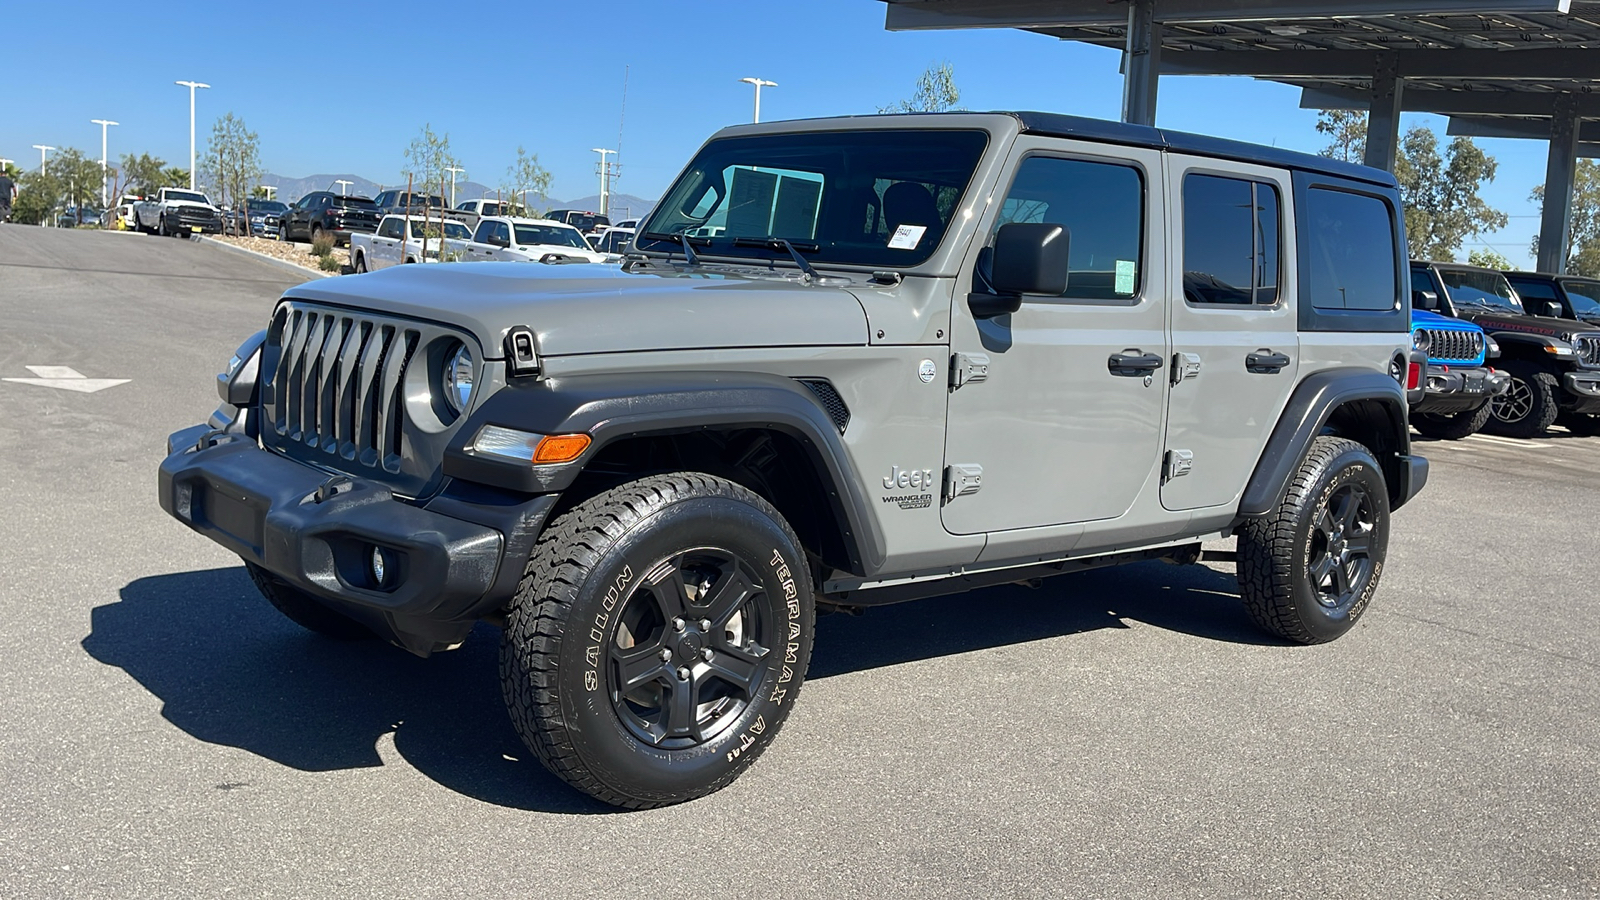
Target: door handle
(1133, 363)
(1265, 362)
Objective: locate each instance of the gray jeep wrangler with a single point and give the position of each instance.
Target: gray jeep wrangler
(847, 362)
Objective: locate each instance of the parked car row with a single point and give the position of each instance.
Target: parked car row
(402, 239)
(1508, 352)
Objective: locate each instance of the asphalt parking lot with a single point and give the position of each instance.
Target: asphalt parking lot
(1119, 733)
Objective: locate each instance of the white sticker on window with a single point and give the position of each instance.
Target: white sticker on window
(1125, 273)
(907, 237)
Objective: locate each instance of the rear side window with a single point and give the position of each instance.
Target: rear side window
(1350, 251)
(1230, 241)
(1102, 207)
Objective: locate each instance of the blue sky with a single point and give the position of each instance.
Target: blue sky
(308, 78)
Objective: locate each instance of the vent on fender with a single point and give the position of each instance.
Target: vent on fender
(831, 401)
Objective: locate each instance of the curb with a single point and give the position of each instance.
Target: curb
(282, 264)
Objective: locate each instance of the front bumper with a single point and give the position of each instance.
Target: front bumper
(1582, 393)
(448, 562)
(1457, 390)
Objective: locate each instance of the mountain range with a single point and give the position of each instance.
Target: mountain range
(623, 206)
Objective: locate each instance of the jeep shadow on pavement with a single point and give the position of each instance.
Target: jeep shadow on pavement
(1553, 362)
(1093, 344)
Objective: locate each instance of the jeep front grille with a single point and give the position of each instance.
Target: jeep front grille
(1448, 346)
(334, 388)
(1587, 347)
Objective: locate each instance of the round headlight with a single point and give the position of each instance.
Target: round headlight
(1420, 340)
(458, 379)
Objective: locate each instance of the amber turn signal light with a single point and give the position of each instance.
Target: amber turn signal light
(560, 448)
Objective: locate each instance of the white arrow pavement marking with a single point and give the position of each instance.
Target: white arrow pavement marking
(67, 379)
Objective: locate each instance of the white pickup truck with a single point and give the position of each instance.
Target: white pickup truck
(177, 211)
(406, 239)
(511, 239)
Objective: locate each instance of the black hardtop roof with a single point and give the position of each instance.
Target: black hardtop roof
(1551, 276)
(1057, 125)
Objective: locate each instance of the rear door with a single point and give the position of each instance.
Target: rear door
(1235, 337)
(1065, 425)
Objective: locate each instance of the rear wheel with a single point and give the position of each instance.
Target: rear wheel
(303, 609)
(658, 639)
(316, 233)
(1309, 569)
(1528, 406)
(1452, 427)
(361, 262)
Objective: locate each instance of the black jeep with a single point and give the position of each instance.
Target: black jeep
(1554, 362)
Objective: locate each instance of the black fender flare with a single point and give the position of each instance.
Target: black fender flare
(1304, 417)
(613, 407)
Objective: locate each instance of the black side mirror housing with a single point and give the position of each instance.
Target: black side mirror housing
(1421, 299)
(1028, 258)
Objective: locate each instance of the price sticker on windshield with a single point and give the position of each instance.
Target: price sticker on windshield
(907, 237)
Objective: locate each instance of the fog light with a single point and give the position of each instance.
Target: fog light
(378, 566)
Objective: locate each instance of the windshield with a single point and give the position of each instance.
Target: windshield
(453, 230)
(549, 234)
(266, 206)
(1585, 297)
(1481, 290)
(190, 196)
(870, 198)
(355, 203)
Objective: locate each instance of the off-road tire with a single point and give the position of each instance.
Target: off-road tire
(1533, 389)
(303, 609)
(1452, 427)
(1275, 552)
(557, 666)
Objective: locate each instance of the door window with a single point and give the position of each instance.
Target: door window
(1102, 207)
(1230, 241)
(1350, 251)
(390, 228)
(482, 234)
(501, 233)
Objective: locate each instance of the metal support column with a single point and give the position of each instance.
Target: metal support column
(1383, 117)
(1556, 219)
(1141, 63)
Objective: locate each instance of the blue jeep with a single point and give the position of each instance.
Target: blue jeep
(1457, 384)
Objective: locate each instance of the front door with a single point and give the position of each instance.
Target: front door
(1065, 425)
(1235, 339)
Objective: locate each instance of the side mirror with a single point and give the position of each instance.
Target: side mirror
(1028, 258)
(500, 241)
(1421, 299)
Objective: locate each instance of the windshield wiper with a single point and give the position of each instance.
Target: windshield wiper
(782, 244)
(687, 242)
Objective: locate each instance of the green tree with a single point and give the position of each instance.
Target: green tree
(38, 195)
(1439, 190)
(174, 177)
(429, 159)
(142, 174)
(11, 170)
(1583, 236)
(1489, 259)
(524, 177)
(233, 161)
(936, 92)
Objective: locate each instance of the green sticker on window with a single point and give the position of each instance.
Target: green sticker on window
(1125, 273)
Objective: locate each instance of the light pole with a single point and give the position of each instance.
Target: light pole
(759, 83)
(191, 85)
(43, 149)
(105, 199)
(343, 185)
(269, 189)
(453, 170)
(605, 180)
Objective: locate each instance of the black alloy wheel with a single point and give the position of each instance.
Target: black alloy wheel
(1341, 561)
(691, 648)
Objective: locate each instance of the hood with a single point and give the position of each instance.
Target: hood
(1562, 329)
(595, 308)
(1423, 318)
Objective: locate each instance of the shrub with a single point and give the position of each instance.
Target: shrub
(322, 246)
(328, 262)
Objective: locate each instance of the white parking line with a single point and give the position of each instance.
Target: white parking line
(1509, 442)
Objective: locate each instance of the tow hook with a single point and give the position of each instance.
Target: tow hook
(331, 488)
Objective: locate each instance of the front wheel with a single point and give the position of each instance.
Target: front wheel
(1528, 407)
(1451, 427)
(658, 639)
(1308, 570)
